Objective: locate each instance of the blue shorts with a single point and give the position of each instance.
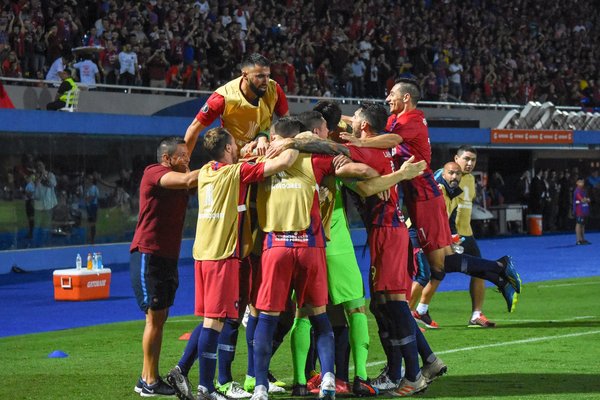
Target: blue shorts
(154, 280)
(471, 247)
(580, 220)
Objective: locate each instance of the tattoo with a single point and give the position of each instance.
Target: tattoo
(320, 146)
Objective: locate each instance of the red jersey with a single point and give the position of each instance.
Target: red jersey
(314, 236)
(162, 212)
(382, 213)
(412, 126)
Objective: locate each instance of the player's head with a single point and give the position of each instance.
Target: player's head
(452, 174)
(286, 127)
(331, 112)
(256, 70)
(313, 121)
(405, 93)
(580, 183)
(466, 157)
(172, 152)
(369, 117)
(220, 146)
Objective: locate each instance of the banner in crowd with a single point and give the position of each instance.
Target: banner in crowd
(531, 136)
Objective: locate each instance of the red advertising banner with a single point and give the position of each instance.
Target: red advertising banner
(531, 136)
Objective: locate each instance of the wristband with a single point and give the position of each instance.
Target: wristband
(263, 134)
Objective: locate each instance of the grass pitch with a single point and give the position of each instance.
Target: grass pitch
(548, 349)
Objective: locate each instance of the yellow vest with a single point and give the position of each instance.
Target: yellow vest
(465, 205)
(451, 204)
(63, 97)
(218, 212)
(239, 114)
(327, 203)
(284, 200)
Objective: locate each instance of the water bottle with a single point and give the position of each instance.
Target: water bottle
(89, 261)
(78, 261)
(99, 264)
(94, 261)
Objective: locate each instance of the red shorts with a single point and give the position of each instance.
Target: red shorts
(431, 221)
(284, 268)
(389, 260)
(217, 288)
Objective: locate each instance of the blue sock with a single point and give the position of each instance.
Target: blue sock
(226, 349)
(325, 342)
(405, 337)
(190, 354)
(342, 352)
(263, 341)
(422, 345)
(207, 357)
(250, 328)
(470, 265)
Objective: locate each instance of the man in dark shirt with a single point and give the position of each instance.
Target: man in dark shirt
(155, 250)
(66, 86)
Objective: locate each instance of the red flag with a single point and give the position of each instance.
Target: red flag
(5, 101)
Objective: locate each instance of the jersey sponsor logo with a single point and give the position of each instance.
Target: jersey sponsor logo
(291, 237)
(211, 215)
(100, 283)
(424, 122)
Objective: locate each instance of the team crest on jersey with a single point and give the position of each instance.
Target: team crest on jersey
(424, 122)
(204, 108)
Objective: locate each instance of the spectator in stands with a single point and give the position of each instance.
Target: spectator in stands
(192, 76)
(109, 63)
(60, 64)
(45, 196)
(455, 79)
(157, 66)
(128, 66)
(88, 71)
(11, 67)
(67, 85)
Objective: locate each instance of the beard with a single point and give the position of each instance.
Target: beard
(256, 90)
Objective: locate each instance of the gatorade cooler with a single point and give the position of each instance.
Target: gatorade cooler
(534, 223)
(81, 284)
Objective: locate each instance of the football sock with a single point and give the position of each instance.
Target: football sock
(325, 342)
(207, 357)
(263, 341)
(405, 339)
(250, 328)
(422, 344)
(190, 353)
(422, 308)
(359, 342)
(342, 352)
(470, 265)
(226, 349)
(300, 343)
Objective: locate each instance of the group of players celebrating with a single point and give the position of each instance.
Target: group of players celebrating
(272, 235)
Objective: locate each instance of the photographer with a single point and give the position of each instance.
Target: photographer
(157, 66)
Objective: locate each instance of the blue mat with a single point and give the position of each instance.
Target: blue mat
(28, 305)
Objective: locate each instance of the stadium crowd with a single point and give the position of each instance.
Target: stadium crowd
(477, 51)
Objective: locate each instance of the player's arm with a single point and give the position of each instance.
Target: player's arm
(191, 134)
(179, 180)
(309, 144)
(369, 187)
(281, 162)
(384, 141)
(356, 170)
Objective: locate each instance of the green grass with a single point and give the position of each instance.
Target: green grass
(548, 349)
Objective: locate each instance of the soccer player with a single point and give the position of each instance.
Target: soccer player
(223, 242)
(155, 251)
(294, 257)
(426, 207)
(581, 210)
(246, 106)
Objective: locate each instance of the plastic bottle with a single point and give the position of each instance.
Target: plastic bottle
(89, 261)
(99, 264)
(456, 241)
(94, 261)
(78, 261)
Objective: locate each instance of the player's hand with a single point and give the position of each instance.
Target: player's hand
(248, 149)
(411, 169)
(350, 138)
(262, 144)
(277, 147)
(385, 195)
(340, 160)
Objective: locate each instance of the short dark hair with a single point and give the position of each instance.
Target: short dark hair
(168, 146)
(465, 148)
(375, 114)
(311, 119)
(255, 59)
(331, 111)
(410, 86)
(287, 127)
(215, 141)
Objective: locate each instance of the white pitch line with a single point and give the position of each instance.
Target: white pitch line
(547, 320)
(569, 284)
